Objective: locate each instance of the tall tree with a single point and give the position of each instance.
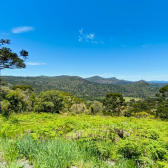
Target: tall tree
(49, 101)
(11, 60)
(162, 98)
(113, 103)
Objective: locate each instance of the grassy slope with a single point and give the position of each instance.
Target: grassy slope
(84, 141)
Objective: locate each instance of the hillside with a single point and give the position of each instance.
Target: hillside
(81, 87)
(113, 80)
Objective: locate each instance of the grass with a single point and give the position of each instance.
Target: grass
(127, 99)
(50, 141)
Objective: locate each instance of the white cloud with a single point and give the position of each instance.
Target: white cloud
(35, 63)
(80, 38)
(81, 31)
(146, 45)
(94, 42)
(90, 36)
(86, 37)
(22, 29)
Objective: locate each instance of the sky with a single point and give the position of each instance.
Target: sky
(126, 39)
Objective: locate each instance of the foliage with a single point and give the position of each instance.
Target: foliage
(5, 105)
(162, 98)
(83, 88)
(49, 101)
(96, 108)
(17, 100)
(113, 103)
(78, 108)
(143, 115)
(23, 87)
(84, 140)
(113, 80)
(8, 59)
(146, 105)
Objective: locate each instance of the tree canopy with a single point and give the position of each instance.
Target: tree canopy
(9, 59)
(113, 103)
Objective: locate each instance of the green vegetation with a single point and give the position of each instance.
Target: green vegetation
(65, 131)
(42, 127)
(113, 102)
(128, 99)
(11, 60)
(20, 98)
(84, 141)
(113, 80)
(83, 88)
(8, 59)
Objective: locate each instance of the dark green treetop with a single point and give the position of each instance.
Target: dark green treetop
(9, 59)
(113, 103)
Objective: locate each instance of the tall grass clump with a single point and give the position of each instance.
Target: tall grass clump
(56, 153)
(48, 154)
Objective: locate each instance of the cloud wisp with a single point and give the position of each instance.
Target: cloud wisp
(23, 29)
(35, 63)
(89, 37)
(6, 34)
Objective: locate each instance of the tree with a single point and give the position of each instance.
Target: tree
(23, 87)
(78, 108)
(11, 60)
(96, 108)
(17, 100)
(162, 98)
(146, 105)
(113, 103)
(49, 101)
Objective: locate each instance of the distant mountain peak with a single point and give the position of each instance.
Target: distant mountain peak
(112, 80)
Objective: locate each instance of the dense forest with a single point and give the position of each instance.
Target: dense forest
(114, 81)
(20, 98)
(82, 88)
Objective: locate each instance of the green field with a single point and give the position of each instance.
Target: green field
(51, 141)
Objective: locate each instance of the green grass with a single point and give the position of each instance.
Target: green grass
(127, 99)
(50, 141)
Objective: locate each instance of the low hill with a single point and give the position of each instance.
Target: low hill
(113, 80)
(81, 87)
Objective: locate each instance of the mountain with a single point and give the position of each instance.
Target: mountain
(113, 81)
(81, 87)
(166, 82)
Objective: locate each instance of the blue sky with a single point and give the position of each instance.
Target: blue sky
(126, 39)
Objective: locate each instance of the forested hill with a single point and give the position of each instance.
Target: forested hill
(113, 80)
(81, 87)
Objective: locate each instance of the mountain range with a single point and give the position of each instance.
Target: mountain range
(116, 81)
(89, 88)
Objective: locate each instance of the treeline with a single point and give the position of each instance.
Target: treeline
(83, 88)
(22, 98)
